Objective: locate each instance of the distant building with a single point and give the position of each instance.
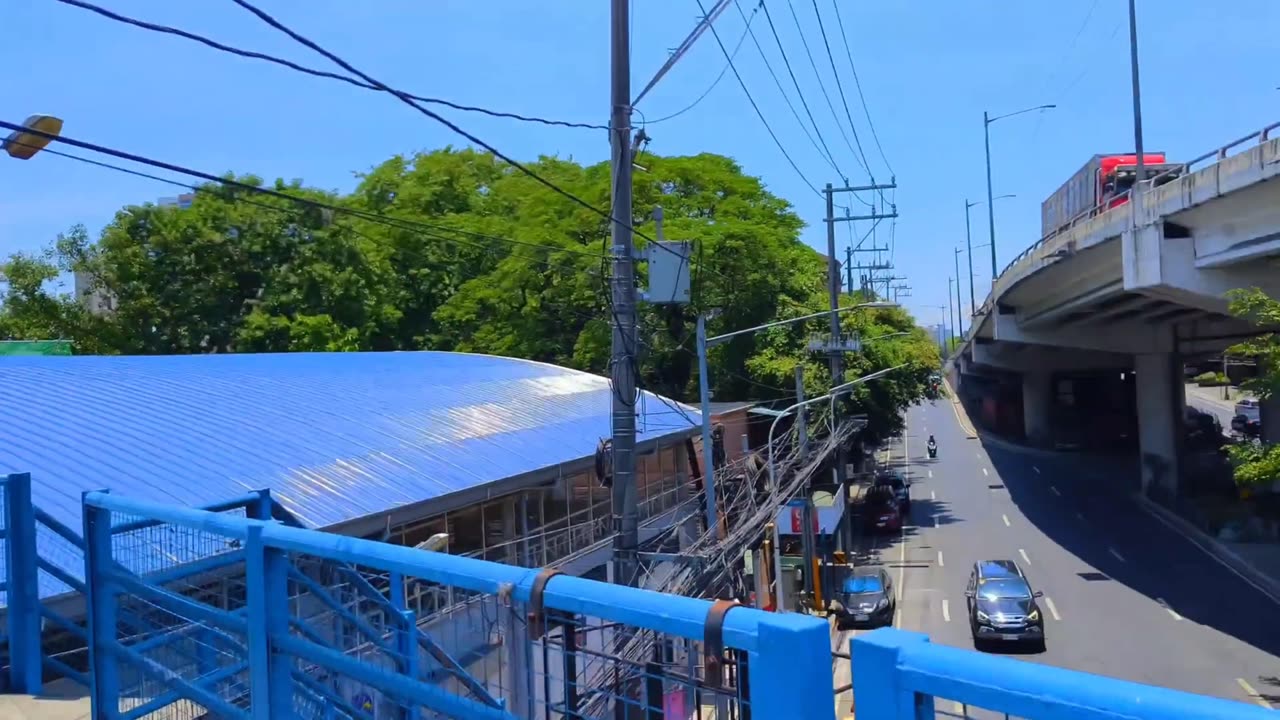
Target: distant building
(100, 302)
(182, 201)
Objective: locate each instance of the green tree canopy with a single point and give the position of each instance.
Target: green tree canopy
(454, 250)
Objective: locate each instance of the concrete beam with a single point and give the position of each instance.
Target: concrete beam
(1166, 268)
(1127, 339)
(1042, 358)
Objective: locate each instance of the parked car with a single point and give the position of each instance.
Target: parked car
(882, 511)
(863, 596)
(901, 489)
(1002, 605)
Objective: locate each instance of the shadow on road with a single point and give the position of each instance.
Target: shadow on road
(1093, 516)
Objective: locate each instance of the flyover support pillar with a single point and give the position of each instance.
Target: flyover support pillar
(1037, 405)
(1160, 421)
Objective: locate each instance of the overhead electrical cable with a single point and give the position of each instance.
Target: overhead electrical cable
(203, 40)
(858, 84)
(754, 106)
(822, 149)
(853, 128)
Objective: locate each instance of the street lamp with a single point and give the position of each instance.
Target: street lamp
(968, 242)
(704, 389)
(23, 144)
(991, 215)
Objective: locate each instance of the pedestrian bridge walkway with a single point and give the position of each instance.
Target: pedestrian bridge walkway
(227, 613)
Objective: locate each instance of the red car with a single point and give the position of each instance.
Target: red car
(882, 510)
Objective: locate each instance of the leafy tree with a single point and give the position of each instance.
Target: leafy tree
(1258, 464)
(452, 249)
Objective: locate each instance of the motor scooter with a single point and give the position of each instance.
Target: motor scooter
(933, 452)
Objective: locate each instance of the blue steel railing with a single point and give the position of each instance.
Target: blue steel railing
(902, 676)
(291, 644)
(44, 599)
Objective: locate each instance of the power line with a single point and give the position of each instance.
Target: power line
(858, 84)
(822, 28)
(376, 219)
(299, 38)
(742, 38)
(824, 151)
(754, 106)
(203, 40)
(404, 223)
(822, 86)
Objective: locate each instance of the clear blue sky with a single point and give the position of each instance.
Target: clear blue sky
(928, 70)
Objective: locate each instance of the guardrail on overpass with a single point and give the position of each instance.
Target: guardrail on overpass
(1099, 215)
(902, 676)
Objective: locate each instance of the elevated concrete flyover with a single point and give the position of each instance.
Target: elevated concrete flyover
(1139, 285)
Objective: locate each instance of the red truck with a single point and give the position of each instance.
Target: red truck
(1100, 185)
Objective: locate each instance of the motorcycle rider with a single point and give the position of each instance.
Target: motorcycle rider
(933, 446)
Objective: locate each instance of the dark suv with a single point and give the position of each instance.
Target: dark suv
(1002, 605)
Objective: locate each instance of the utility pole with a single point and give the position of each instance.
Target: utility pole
(900, 291)
(1137, 107)
(950, 314)
(623, 291)
(959, 310)
(835, 347)
(968, 244)
(848, 269)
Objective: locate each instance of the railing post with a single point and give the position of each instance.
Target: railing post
(22, 584)
(407, 641)
(876, 683)
(261, 510)
(267, 580)
(789, 672)
(100, 597)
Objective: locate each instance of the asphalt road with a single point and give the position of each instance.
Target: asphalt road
(1125, 595)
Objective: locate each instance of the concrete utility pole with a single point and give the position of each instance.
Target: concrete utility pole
(950, 314)
(623, 290)
(835, 347)
(1137, 106)
(968, 244)
(959, 310)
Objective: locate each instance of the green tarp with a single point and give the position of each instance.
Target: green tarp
(10, 348)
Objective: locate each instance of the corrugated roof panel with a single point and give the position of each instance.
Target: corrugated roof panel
(335, 436)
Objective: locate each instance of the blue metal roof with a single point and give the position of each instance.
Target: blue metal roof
(335, 436)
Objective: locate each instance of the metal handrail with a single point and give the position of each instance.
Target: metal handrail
(1218, 155)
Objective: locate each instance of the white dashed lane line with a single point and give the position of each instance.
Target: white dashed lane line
(1005, 518)
(1253, 694)
(946, 610)
(1033, 467)
(1053, 609)
(985, 473)
(1023, 553)
(933, 495)
(1054, 490)
(1115, 554)
(940, 562)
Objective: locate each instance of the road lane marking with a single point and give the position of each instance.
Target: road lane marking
(930, 473)
(985, 473)
(1170, 610)
(1253, 694)
(935, 521)
(1053, 609)
(1079, 515)
(933, 495)
(940, 562)
(1023, 553)
(946, 610)
(1054, 490)
(1115, 554)
(902, 569)
(1005, 518)
(1033, 467)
